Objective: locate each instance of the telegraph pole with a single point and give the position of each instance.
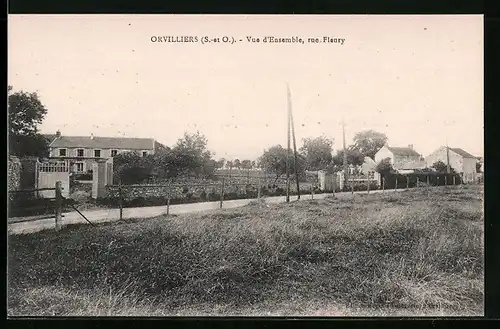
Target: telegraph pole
(288, 156)
(448, 169)
(345, 153)
(294, 142)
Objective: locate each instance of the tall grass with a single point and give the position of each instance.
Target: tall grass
(402, 252)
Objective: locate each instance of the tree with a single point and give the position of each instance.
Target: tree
(220, 164)
(274, 160)
(191, 156)
(237, 164)
(368, 142)
(131, 168)
(354, 157)
(246, 164)
(25, 113)
(317, 152)
(478, 167)
(384, 167)
(441, 167)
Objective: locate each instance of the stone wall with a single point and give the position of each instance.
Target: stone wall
(192, 188)
(13, 173)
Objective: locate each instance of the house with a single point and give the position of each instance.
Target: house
(461, 161)
(368, 166)
(402, 158)
(82, 151)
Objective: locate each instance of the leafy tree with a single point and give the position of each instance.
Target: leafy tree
(317, 152)
(384, 166)
(237, 164)
(440, 166)
(246, 164)
(25, 113)
(220, 164)
(274, 160)
(191, 156)
(354, 157)
(131, 168)
(368, 142)
(478, 167)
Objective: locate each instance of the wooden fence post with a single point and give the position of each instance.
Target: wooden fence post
(428, 181)
(437, 181)
(407, 182)
(258, 187)
(445, 180)
(453, 180)
(222, 193)
(168, 199)
(312, 192)
(417, 181)
(368, 185)
(383, 184)
(396, 185)
(58, 205)
(352, 184)
(120, 198)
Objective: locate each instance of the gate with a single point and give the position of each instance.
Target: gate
(48, 173)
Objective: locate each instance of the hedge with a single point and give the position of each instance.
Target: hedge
(435, 179)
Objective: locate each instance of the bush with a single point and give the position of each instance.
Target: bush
(434, 179)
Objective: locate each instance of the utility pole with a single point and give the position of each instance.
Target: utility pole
(345, 153)
(294, 142)
(288, 156)
(448, 169)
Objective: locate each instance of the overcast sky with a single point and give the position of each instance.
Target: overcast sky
(418, 79)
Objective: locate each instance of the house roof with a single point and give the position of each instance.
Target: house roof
(403, 151)
(49, 137)
(104, 142)
(461, 152)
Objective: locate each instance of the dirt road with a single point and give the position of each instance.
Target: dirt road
(108, 215)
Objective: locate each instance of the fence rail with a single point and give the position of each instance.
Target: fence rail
(52, 204)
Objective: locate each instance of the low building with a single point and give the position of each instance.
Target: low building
(82, 151)
(402, 158)
(461, 161)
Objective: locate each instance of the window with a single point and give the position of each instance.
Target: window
(144, 153)
(79, 167)
(114, 152)
(62, 152)
(79, 153)
(97, 153)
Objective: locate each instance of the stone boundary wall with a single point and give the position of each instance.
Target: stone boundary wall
(13, 173)
(187, 189)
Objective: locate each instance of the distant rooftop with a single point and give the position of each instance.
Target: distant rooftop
(403, 151)
(461, 152)
(102, 142)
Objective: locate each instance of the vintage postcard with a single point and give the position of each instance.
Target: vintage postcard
(211, 165)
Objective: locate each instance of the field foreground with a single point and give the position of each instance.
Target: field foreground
(413, 253)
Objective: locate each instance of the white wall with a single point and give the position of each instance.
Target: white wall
(457, 162)
(383, 153)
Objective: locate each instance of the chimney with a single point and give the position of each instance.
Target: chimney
(58, 133)
(410, 146)
(91, 136)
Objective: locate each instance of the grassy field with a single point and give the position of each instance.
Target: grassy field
(418, 252)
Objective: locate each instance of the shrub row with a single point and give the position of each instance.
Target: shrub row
(431, 178)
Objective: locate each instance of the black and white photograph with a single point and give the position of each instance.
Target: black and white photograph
(245, 165)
